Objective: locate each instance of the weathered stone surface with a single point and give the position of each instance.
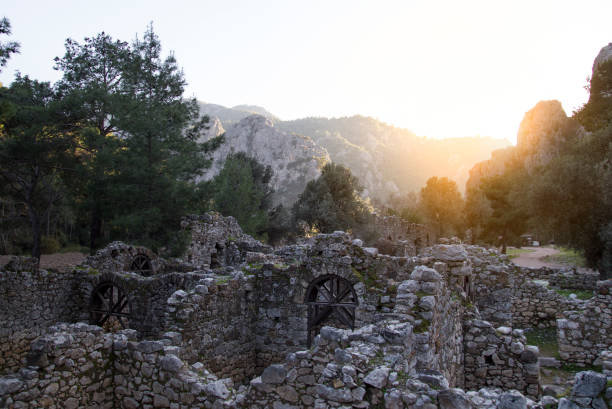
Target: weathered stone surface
(171, 363)
(274, 374)
(588, 384)
(512, 400)
(453, 399)
(378, 377)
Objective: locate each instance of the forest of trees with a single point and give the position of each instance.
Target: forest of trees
(111, 152)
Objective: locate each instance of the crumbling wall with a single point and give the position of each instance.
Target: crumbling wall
(281, 289)
(80, 366)
(72, 369)
(217, 241)
(575, 280)
(500, 358)
(427, 301)
(586, 331)
(119, 257)
(147, 295)
(535, 305)
(30, 302)
(398, 237)
(215, 324)
(492, 287)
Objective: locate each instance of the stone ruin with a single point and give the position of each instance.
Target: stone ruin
(326, 323)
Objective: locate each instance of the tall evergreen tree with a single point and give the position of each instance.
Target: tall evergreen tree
(242, 189)
(94, 99)
(162, 155)
(8, 48)
(35, 150)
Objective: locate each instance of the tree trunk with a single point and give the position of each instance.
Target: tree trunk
(35, 222)
(95, 230)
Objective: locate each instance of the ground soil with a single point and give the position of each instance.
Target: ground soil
(534, 258)
(57, 261)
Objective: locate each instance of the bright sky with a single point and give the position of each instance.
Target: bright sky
(440, 68)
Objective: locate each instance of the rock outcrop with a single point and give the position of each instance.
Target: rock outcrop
(295, 159)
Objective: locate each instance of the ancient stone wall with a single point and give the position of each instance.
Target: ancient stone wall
(80, 366)
(29, 303)
(215, 324)
(72, 369)
(492, 285)
(119, 257)
(535, 305)
(217, 241)
(427, 301)
(400, 238)
(499, 358)
(281, 289)
(575, 280)
(147, 295)
(586, 331)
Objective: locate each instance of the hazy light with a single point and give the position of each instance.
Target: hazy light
(441, 69)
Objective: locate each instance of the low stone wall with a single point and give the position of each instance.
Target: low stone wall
(29, 303)
(80, 366)
(499, 358)
(575, 280)
(72, 370)
(586, 331)
(215, 324)
(535, 305)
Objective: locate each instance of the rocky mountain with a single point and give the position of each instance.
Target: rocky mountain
(387, 160)
(231, 116)
(541, 132)
(295, 159)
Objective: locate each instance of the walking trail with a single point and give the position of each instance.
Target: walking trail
(534, 258)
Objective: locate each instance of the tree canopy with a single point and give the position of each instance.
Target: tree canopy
(442, 205)
(332, 201)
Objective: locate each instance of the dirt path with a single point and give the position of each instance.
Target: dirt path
(534, 258)
(57, 261)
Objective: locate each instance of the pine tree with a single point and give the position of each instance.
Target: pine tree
(35, 149)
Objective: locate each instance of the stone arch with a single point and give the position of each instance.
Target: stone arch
(330, 298)
(109, 306)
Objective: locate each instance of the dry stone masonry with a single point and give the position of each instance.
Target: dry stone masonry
(325, 323)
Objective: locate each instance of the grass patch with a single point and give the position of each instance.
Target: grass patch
(513, 252)
(545, 339)
(567, 256)
(580, 294)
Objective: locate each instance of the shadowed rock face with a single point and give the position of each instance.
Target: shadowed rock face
(604, 55)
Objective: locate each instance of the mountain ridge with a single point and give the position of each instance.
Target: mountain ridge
(387, 160)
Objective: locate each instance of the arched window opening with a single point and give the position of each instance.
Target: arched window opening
(330, 299)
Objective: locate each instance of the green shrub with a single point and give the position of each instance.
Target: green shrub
(49, 245)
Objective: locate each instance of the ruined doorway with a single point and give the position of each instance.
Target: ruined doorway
(109, 307)
(330, 299)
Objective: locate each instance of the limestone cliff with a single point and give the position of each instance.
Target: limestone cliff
(295, 159)
(387, 160)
